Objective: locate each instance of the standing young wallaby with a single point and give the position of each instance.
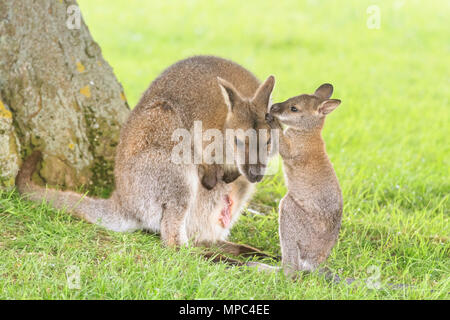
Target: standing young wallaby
(154, 193)
(311, 211)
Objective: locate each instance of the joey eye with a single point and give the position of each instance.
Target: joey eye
(294, 109)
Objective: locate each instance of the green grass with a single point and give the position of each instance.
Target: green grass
(388, 143)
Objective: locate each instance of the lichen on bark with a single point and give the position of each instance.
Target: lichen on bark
(58, 95)
(9, 151)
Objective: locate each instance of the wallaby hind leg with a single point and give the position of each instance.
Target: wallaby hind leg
(243, 250)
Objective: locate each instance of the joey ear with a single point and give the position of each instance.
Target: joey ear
(324, 91)
(264, 92)
(328, 105)
(229, 92)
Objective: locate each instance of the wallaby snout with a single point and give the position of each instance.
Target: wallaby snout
(247, 117)
(256, 173)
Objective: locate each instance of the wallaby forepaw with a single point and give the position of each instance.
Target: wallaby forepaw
(209, 181)
(210, 175)
(229, 177)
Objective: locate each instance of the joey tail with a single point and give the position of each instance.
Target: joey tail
(103, 212)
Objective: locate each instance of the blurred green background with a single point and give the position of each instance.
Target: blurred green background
(388, 141)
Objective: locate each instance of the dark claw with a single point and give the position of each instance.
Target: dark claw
(231, 176)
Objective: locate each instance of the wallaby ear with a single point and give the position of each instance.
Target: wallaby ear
(264, 92)
(328, 105)
(229, 92)
(324, 91)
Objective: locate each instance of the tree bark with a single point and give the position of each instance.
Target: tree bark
(57, 94)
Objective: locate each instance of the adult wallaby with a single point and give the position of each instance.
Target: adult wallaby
(154, 193)
(311, 211)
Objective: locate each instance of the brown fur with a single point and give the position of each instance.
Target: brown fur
(311, 211)
(151, 191)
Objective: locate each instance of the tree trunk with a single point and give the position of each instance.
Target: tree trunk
(57, 94)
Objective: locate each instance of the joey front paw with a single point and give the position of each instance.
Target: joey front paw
(209, 181)
(210, 175)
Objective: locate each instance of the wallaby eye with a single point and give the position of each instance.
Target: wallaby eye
(294, 109)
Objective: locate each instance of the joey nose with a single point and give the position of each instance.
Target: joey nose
(275, 108)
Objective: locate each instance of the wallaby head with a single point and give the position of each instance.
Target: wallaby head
(246, 117)
(306, 112)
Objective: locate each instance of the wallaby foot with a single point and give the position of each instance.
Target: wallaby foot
(219, 258)
(262, 267)
(243, 250)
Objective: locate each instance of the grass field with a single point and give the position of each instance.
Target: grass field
(388, 141)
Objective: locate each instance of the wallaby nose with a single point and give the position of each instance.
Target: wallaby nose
(275, 108)
(253, 170)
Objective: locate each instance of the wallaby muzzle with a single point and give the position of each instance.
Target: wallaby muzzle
(254, 172)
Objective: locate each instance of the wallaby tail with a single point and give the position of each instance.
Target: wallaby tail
(103, 212)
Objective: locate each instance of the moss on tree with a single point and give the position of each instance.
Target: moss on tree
(58, 95)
